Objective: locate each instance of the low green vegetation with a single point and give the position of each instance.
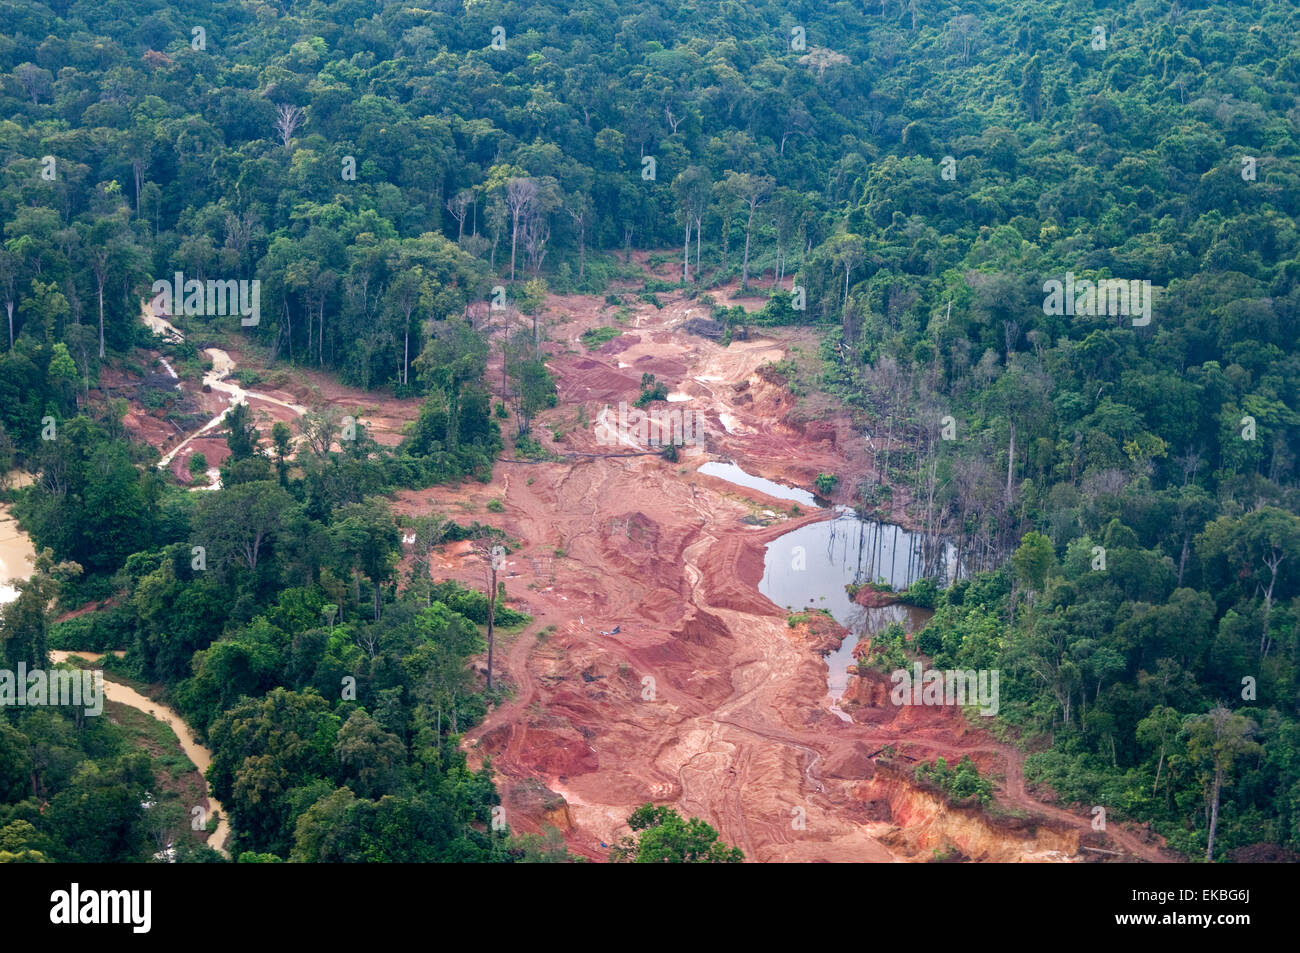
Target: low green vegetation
(651, 390)
(960, 784)
(826, 483)
(593, 338)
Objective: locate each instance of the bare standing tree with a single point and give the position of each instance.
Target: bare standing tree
(964, 28)
(494, 556)
(1215, 741)
(520, 195)
(239, 233)
(459, 205)
(10, 266)
(579, 207)
(139, 166)
(848, 251)
(537, 231)
(1190, 462)
(752, 191)
(820, 59)
(691, 188)
(36, 81)
(288, 119)
(98, 258)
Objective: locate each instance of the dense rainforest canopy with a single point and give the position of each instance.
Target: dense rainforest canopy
(907, 175)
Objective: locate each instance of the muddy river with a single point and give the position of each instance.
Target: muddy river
(16, 557)
(197, 753)
(16, 552)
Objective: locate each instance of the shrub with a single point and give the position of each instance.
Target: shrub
(93, 631)
(473, 604)
(962, 785)
(923, 593)
(826, 483)
(651, 390)
(593, 338)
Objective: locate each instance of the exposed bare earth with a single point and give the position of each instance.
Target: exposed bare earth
(705, 699)
(282, 395)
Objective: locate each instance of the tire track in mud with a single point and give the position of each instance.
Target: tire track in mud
(740, 698)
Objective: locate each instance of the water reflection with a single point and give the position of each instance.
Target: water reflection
(734, 474)
(809, 567)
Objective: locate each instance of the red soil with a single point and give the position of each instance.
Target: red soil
(706, 699)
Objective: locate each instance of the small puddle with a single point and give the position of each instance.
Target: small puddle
(808, 568)
(733, 474)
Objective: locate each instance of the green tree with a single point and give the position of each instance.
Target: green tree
(282, 442)
(25, 621)
(1215, 743)
(535, 391)
(1033, 560)
(1031, 88)
(665, 837)
(236, 523)
(1262, 547)
(243, 436)
(264, 750)
(1159, 730)
(370, 757)
(367, 535)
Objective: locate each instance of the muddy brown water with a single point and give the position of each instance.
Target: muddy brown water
(809, 568)
(197, 753)
(215, 379)
(16, 551)
(734, 474)
(16, 563)
(200, 756)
